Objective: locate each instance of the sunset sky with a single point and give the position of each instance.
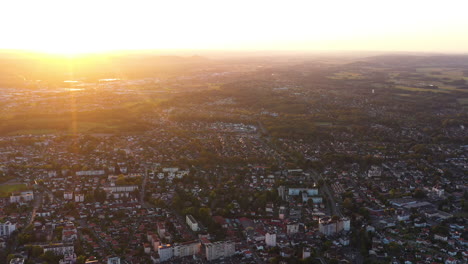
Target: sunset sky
(79, 26)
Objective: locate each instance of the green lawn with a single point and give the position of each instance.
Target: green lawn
(417, 89)
(463, 101)
(323, 123)
(346, 76)
(6, 189)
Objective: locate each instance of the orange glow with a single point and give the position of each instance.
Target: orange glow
(74, 27)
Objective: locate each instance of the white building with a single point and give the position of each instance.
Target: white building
(173, 170)
(375, 171)
(68, 195)
(90, 173)
(59, 248)
(114, 260)
(220, 249)
(7, 228)
(120, 188)
(292, 228)
(346, 223)
(328, 226)
(192, 223)
(306, 252)
(25, 196)
(79, 197)
(270, 239)
(187, 249)
(17, 261)
(165, 252)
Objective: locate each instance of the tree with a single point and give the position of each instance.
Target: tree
(100, 195)
(348, 204)
(50, 257)
(36, 251)
(419, 194)
(81, 259)
(394, 249)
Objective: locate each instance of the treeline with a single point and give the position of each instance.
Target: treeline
(112, 121)
(16, 67)
(290, 127)
(207, 117)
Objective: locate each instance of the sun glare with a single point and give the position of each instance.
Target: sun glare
(76, 27)
(65, 50)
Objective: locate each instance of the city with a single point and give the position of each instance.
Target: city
(332, 173)
(233, 132)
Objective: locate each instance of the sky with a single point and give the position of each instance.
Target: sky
(81, 26)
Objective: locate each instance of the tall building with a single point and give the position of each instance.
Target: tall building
(79, 197)
(68, 195)
(219, 249)
(17, 261)
(282, 212)
(292, 228)
(329, 226)
(306, 252)
(20, 197)
(165, 252)
(346, 223)
(282, 192)
(192, 222)
(187, 249)
(270, 239)
(7, 228)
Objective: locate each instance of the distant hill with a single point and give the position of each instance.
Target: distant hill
(15, 67)
(415, 61)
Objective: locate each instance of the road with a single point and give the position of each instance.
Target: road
(334, 208)
(37, 203)
(103, 244)
(38, 197)
(322, 260)
(143, 186)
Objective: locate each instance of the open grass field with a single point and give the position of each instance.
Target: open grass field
(346, 76)
(450, 73)
(463, 101)
(417, 89)
(323, 124)
(6, 189)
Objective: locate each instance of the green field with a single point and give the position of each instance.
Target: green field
(417, 89)
(346, 76)
(323, 123)
(463, 101)
(7, 189)
(454, 74)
